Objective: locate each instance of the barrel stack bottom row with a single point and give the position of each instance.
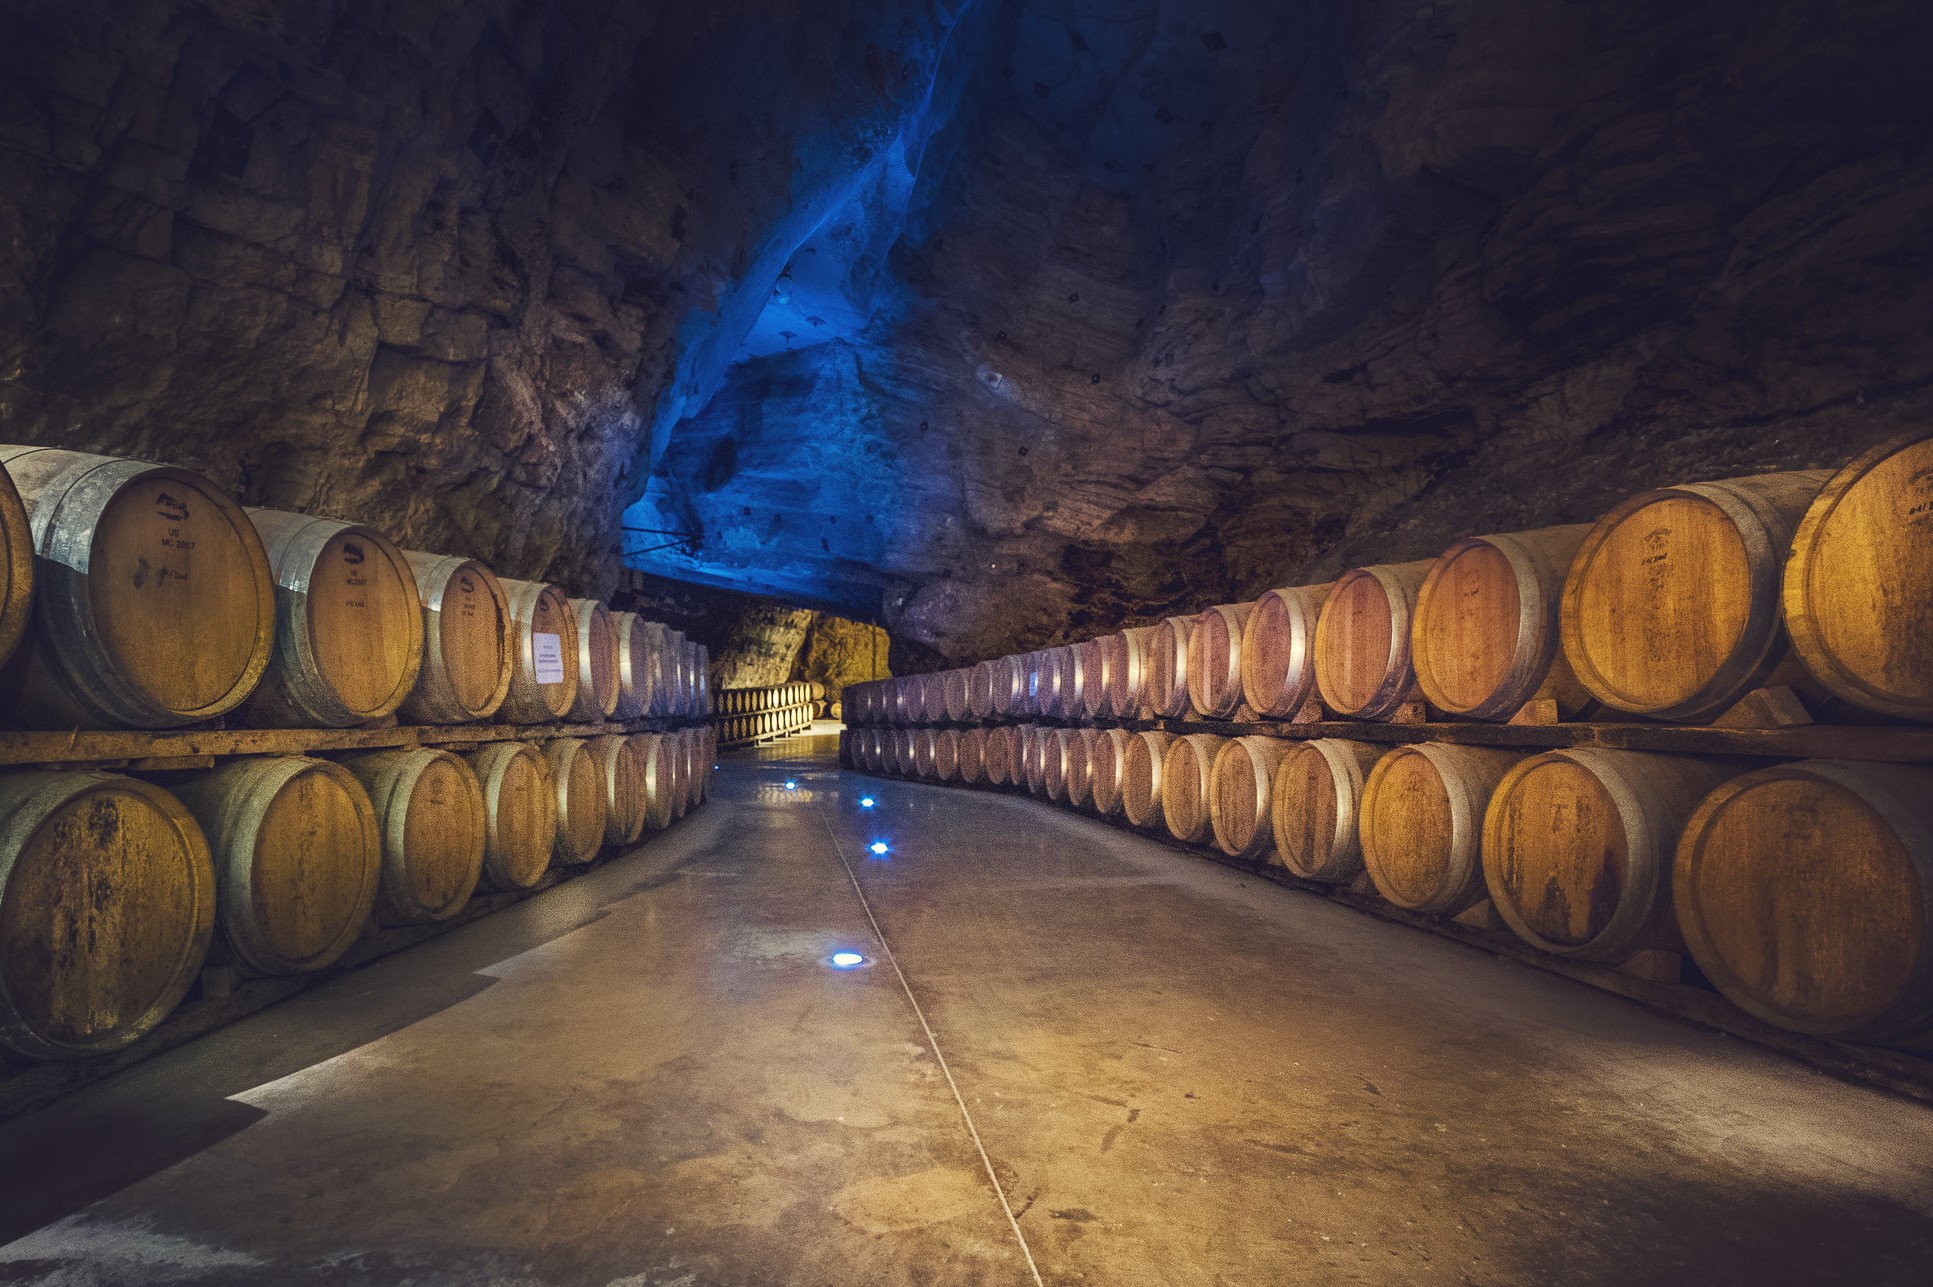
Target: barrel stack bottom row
(1800, 889)
(276, 865)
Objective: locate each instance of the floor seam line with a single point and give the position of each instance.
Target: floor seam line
(933, 1043)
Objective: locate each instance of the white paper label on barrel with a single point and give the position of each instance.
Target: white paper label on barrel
(550, 657)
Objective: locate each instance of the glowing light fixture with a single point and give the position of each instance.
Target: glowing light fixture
(846, 960)
(879, 847)
(866, 802)
(791, 786)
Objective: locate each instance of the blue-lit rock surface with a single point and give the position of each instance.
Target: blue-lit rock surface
(995, 321)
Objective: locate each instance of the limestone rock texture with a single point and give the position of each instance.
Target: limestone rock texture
(991, 322)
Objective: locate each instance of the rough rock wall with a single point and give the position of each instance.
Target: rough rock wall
(755, 641)
(1224, 295)
(439, 265)
(1025, 317)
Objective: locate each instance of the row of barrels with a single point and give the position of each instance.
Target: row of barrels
(1803, 891)
(140, 595)
(743, 730)
(116, 890)
(1674, 606)
(772, 697)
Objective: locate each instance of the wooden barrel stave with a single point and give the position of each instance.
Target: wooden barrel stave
(1278, 650)
(298, 859)
(1141, 777)
(1106, 760)
(1362, 644)
(466, 641)
(1186, 785)
(1422, 821)
(1805, 893)
(1858, 588)
(349, 631)
(188, 628)
(520, 814)
(1315, 806)
(1241, 782)
(1577, 848)
(1484, 638)
(579, 783)
(1215, 660)
(599, 670)
(1165, 690)
(1671, 608)
(429, 809)
(107, 899)
(543, 648)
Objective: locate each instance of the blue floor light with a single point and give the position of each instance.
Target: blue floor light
(879, 847)
(866, 802)
(847, 960)
(791, 786)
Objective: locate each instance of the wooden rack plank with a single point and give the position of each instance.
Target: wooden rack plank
(129, 745)
(1904, 745)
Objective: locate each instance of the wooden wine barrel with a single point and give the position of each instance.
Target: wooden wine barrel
(980, 684)
(1076, 767)
(1187, 783)
(1315, 808)
(1009, 687)
(924, 748)
(16, 566)
(153, 602)
(1034, 739)
(933, 698)
(1039, 684)
(1577, 848)
(1241, 781)
(1142, 763)
(107, 905)
(297, 858)
(701, 679)
(1484, 636)
(1215, 659)
(1106, 758)
(348, 624)
(946, 755)
(429, 808)
(1805, 893)
(954, 685)
(581, 804)
(466, 641)
(599, 671)
(1001, 753)
(636, 666)
(1422, 824)
(1070, 663)
(1671, 607)
(620, 769)
(677, 774)
(673, 672)
(889, 752)
(972, 756)
(1363, 660)
(1278, 650)
(1858, 588)
(519, 814)
(1166, 689)
(543, 646)
(1047, 685)
(654, 752)
(1124, 671)
(1053, 768)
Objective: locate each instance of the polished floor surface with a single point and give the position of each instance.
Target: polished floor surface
(1070, 1055)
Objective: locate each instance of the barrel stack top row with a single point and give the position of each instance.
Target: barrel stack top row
(1675, 605)
(141, 595)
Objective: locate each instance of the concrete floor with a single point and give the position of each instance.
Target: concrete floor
(1181, 1075)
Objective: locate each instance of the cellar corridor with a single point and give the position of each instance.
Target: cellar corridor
(657, 1074)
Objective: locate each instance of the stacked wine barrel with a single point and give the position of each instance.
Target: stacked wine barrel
(1334, 731)
(138, 596)
(748, 715)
